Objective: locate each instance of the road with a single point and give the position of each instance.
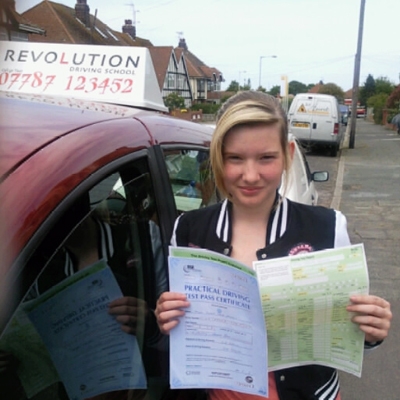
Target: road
(365, 185)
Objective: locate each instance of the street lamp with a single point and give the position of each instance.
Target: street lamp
(259, 75)
(240, 73)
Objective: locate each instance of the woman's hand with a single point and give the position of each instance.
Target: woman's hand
(127, 311)
(373, 316)
(169, 310)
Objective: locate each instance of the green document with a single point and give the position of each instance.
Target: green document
(304, 298)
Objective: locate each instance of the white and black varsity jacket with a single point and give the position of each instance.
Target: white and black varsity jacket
(293, 228)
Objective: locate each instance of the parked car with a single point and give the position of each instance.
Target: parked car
(315, 120)
(344, 111)
(75, 172)
(301, 181)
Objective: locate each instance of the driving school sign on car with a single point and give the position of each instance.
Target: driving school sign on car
(113, 74)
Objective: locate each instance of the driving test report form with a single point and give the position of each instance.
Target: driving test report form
(221, 341)
(87, 345)
(304, 299)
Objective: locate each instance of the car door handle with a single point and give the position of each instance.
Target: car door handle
(314, 125)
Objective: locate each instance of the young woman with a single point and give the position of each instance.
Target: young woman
(249, 152)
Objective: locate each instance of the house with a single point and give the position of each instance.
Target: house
(316, 88)
(205, 81)
(76, 25)
(13, 26)
(178, 70)
(171, 72)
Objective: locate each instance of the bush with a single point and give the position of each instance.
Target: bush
(394, 99)
(378, 103)
(208, 108)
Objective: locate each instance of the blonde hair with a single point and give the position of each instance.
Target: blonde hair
(246, 108)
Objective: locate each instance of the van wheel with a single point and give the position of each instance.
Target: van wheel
(334, 151)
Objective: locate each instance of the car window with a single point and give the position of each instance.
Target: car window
(191, 179)
(62, 340)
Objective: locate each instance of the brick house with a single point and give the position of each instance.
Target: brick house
(13, 26)
(178, 70)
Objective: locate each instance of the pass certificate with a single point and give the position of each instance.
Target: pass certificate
(221, 341)
(87, 345)
(304, 298)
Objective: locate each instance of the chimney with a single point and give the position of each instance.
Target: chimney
(182, 44)
(82, 12)
(129, 29)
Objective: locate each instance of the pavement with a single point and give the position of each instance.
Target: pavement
(367, 191)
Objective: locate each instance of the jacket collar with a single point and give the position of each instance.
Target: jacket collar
(277, 223)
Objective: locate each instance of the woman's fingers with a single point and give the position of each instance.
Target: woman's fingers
(372, 314)
(169, 310)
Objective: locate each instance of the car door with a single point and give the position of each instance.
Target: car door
(300, 186)
(322, 120)
(301, 118)
(104, 242)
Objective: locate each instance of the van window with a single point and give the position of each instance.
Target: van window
(62, 340)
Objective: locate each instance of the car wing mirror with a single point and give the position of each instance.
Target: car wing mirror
(320, 176)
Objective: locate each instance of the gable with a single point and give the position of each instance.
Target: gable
(62, 26)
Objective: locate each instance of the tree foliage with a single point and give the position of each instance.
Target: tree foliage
(332, 89)
(275, 90)
(233, 86)
(367, 90)
(207, 108)
(393, 100)
(296, 87)
(173, 101)
(384, 85)
(378, 103)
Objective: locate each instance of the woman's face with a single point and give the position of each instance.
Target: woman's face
(253, 165)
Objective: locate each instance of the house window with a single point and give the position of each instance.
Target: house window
(171, 80)
(200, 85)
(19, 36)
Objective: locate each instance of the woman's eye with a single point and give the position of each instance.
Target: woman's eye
(232, 157)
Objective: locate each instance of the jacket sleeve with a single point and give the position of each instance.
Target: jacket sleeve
(173, 238)
(341, 235)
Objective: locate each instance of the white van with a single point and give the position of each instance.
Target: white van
(315, 120)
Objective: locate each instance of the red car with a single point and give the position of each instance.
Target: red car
(89, 194)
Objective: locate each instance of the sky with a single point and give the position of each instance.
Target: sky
(312, 40)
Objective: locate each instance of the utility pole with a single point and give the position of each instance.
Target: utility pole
(356, 77)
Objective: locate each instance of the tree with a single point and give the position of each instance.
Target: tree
(393, 100)
(296, 87)
(367, 90)
(275, 90)
(261, 89)
(233, 86)
(173, 101)
(332, 89)
(383, 85)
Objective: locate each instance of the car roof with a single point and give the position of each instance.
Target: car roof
(49, 145)
(30, 122)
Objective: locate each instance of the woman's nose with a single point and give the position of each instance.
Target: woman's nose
(250, 172)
